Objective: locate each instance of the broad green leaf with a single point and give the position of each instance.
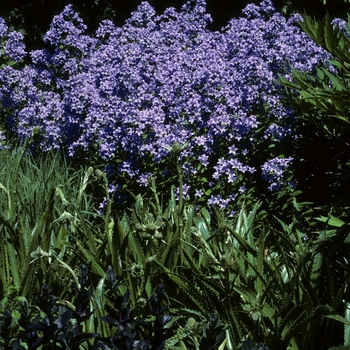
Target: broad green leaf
(331, 220)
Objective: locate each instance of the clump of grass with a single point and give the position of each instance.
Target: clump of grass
(42, 200)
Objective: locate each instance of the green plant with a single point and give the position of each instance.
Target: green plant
(41, 202)
(264, 285)
(67, 324)
(54, 323)
(275, 286)
(321, 102)
(243, 274)
(249, 345)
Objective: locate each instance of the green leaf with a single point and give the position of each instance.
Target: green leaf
(339, 318)
(347, 326)
(261, 252)
(331, 220)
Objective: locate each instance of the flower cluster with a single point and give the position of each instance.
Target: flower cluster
(12, 48)
(273, 171)
(129, 93)
(12, 51)
(341, 25)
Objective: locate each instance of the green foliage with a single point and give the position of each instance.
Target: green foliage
(273, 286)
(228, 279)
(61, 324)
(321, 102)
(324, 2)
(41, 203)
(327, 90)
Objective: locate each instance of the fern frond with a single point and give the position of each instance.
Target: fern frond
(304, 321)
(233, 323)
(191, 291)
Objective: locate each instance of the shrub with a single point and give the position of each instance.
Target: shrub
(128, 95)
(322, 100)
(62, 324)
(264, 283)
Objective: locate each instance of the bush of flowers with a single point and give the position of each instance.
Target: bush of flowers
(163, 92)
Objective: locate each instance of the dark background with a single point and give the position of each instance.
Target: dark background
(34, 17)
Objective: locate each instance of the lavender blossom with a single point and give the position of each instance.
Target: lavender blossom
(12, 47)
(127, 94)
(273, 172)
(341, 25)
(3, 28)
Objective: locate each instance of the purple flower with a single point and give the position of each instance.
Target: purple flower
(341, 25)
(66, 28)
(143, 179)
(273, 171)
(3, 28)
(199, 193)
(127, 94)
(204, 159)
(12, 47)
(259, 12)
(185, 192)
(220, 202)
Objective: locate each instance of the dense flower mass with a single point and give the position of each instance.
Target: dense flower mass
(11, 45)
(130, 93)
